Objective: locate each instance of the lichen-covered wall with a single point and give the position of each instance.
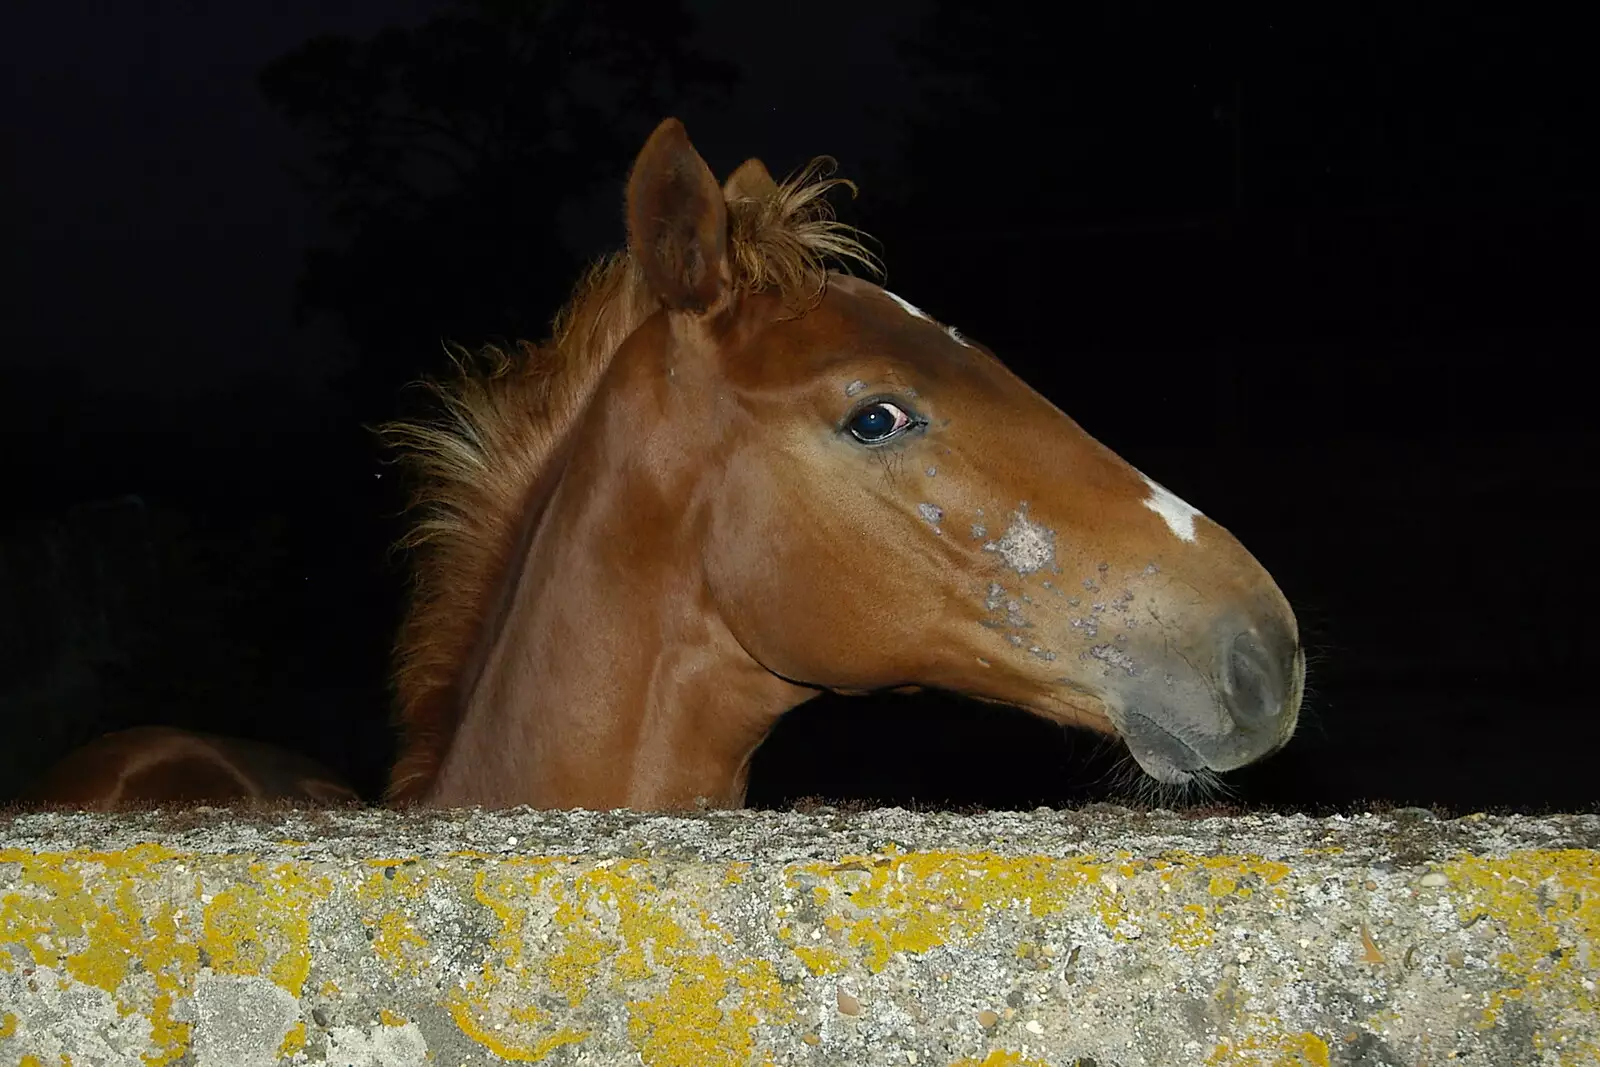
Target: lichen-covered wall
(1007, 940)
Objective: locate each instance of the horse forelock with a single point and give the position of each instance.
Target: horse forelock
(503, 415)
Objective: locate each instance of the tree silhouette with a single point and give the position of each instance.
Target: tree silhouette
(455, 159)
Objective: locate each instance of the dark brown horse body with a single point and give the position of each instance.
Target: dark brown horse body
(147, 766)
(735, 479)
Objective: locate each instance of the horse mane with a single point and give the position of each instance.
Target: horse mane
(503, 416)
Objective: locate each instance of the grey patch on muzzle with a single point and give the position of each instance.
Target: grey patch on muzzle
(1161, 754)
(1026, 546)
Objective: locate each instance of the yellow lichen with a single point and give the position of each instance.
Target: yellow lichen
(389, 1018)
(132, 923)
(394, 937)
(1546, 902)
(262, 927)
(293, 1041)
(1234, 868)
(702, 1020)
(1001, 1058)
(397, 941)
(913, 902)
(1271, 1049)
(611, 927)
(508, 1025)
(469, 1015)
(917, 901)
(648, 931)
(391, 880)
(167, 1034)
(57, 906)
(821, 961)
(572, 970)
(1191, 927)
(81, 912)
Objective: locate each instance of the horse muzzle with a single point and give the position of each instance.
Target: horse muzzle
(1229, 702)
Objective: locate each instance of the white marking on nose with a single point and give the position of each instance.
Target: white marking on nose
(1179, 516)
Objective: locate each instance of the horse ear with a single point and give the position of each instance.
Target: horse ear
(750, 182)
(678, 222)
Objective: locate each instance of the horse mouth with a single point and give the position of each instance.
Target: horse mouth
(1162, 754)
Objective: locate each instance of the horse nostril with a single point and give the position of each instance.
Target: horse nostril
(1252, 681)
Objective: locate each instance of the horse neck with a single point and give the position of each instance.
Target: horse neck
(610, 681)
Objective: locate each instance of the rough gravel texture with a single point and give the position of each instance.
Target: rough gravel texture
(1102, 937)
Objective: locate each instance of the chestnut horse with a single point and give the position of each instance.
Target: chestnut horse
(153, 765)
(736, 478)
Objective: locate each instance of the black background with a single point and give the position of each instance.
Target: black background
(1328, 273)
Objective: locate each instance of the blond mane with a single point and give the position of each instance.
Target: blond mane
(503, 415)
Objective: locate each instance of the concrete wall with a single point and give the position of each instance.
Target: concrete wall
(1009, 940)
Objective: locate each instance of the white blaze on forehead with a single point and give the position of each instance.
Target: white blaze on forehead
(910, 308)
(1179, 515)
(916, 312)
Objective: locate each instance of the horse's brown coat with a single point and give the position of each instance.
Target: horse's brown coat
(645, 541)
(707, 547)
(148, 766)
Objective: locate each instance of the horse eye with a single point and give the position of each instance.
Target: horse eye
(878, 422)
